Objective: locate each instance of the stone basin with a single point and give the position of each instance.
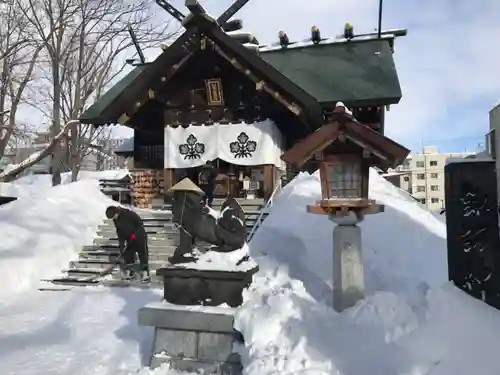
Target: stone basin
(185, 286)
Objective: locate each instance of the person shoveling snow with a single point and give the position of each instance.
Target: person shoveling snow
(132, 240)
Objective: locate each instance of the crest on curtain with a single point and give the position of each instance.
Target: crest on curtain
(192, 149)
(243, 147)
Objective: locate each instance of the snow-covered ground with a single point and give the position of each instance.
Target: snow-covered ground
(412, 321)
(31, 185)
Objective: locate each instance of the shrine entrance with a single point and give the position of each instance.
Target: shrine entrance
(234, 180)
(247, 157)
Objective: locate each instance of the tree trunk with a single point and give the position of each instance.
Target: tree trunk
(36, 157)
(56, 126)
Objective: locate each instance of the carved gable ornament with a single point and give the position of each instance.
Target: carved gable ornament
(215, 95)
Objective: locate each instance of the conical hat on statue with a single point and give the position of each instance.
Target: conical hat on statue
(186, 185)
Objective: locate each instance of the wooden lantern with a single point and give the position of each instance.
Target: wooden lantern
(346, 150)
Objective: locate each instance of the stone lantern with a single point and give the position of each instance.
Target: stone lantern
(345, 150)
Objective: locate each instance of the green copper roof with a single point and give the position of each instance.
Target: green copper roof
(96, 112)
(352, 72)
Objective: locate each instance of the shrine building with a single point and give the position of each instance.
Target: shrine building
(216, 95)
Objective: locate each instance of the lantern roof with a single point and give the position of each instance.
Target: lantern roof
(343, 127)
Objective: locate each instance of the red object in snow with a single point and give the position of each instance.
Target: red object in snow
(132, 237)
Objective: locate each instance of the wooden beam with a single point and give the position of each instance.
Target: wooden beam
(231, 11)
(174, 12)
(195, 7)
(260, 84)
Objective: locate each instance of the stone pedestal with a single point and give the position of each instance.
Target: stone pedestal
(193, 339)
(184, 286)
(348, 278)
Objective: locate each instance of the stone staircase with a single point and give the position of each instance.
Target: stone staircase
(163, 238)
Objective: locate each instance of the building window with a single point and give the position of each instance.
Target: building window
(434, 175)
(420, 164)
(422, 200)
(421, 176)
(406, 178)
(420, 189)
(405, 165)
(434, 200)
(434, 187)
(433, 163)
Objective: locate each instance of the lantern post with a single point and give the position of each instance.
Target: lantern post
(344, 150)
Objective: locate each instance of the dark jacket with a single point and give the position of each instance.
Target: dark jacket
(129, 227)
(208, 173)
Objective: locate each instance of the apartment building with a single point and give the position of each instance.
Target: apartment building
(422, 175)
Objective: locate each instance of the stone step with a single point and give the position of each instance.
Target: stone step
(165, 234)
(153, 222)
(161, 233)
(115, 282)
(165, 241)
(153, 249)
(148, 228)
(109, 256)
(101, 265)
(83, 273)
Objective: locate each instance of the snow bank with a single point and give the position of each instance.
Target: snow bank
(403, 327)
(16, 190)
(397, 244)
(41, 234)
(33, 185)
(45, 180)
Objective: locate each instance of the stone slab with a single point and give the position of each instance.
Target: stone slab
(214, 346)
(190, 318)
(175, 343)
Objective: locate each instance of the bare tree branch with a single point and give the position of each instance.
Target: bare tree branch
(33, 159)
(85, 42)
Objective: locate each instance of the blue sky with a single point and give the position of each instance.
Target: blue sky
(448, 66)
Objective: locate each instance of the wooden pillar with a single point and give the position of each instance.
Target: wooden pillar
(168, 179)
(269, 180)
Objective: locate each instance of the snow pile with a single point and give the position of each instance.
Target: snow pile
(33, 185)
(233, 261)
(86, 331)
(41, 234)
(45, 180)
(16, 190)
(409, 324)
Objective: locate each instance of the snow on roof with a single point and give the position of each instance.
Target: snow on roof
(390, 174)
(326, 41)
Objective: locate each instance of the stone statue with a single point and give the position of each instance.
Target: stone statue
(226, 232)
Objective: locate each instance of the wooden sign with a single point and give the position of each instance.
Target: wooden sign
(215, 95)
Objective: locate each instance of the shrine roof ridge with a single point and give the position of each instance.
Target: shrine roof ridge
(305, 43)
